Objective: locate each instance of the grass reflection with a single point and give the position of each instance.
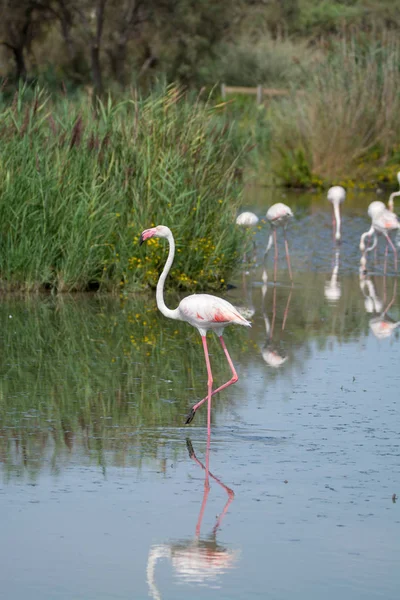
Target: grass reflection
(94, 375)
(88, 380)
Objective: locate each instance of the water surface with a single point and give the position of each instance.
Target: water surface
(102, 486)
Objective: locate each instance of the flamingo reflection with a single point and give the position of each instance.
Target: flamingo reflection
(332, 288)
(271, 352)
(382, 326)
(198, 559)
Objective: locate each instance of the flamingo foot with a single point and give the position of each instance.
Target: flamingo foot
(190, 416)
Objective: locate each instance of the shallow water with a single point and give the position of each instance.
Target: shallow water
(102, 487)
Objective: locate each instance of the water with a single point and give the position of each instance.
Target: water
(102, 487)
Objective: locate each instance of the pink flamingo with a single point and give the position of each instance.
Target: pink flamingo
(336, 195)
(278, 215)
(383, 221)
(203, 311)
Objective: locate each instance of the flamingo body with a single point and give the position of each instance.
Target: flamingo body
(336, 195)
(206, 312)
(247, 219)
(376, 208)
(279, 214)
(203, 311)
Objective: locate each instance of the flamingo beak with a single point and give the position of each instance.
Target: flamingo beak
(145, 235)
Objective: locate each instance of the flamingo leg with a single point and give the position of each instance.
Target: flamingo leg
(389, 241)
(275, 256)
(287, 254)
(206, 468)
(386, 257)
(273, 312)
(209, 383)
(285, 314)
(333, 226)
(234, 379)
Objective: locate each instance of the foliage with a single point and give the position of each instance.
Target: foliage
(77, 187)
(349, 107)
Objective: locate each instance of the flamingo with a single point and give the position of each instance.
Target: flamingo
(336, 195)
(394, 195)
(203, 311)
(383, 221)
(247, 219)
(278, 215)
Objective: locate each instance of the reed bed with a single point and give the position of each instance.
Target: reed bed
(345, 123)
(79, 183)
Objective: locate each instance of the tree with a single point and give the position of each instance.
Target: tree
(20, 22)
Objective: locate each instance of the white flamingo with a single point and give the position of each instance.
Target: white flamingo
(278, 215)
(336, 195)
(203, 311)
(384, 221)
(247, 220)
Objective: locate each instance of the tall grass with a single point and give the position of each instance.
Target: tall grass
(347, 116)
(78, 185)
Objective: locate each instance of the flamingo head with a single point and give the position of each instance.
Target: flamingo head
(159, 231)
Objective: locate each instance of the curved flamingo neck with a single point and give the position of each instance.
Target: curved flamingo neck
(336, 211)
(391, 202)
(167, 312)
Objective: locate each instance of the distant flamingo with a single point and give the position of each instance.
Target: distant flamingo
(394, 195)
(247, 219)
(336, 195)
(278, 215)
(383, 222)
(203, 311)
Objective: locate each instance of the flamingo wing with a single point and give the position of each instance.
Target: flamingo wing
(206, 310)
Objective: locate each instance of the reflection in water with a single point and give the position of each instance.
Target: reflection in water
(382, 326)
(196, 560)
(271, 352)
(246, 305)
(332, 289)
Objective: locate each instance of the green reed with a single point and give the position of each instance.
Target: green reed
(78, 184)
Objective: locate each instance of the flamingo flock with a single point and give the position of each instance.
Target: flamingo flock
(211, 313)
